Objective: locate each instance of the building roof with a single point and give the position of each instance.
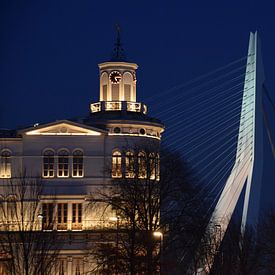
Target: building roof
(100, 118)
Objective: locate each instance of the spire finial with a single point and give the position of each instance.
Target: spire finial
(118, 52)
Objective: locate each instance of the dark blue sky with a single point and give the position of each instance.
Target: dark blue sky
(49, 50)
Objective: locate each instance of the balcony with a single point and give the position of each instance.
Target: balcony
(128, 106)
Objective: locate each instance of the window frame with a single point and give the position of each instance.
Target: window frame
(5, 164)
(77, 216)
(48, 170)
(63, 159)
(129, 164)
(62, 216)
(142, 165)
(116, 164)
(78, 164)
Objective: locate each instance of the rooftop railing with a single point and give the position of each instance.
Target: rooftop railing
(128, 106)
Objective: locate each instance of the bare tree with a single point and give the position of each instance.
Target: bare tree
(25, 248)
(146, 197)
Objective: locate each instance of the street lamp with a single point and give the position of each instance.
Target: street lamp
(158, 234)
(40, 218)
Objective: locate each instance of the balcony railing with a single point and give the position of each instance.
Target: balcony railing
(128, 106)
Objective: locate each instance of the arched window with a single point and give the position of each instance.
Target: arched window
(77, 169)
(116, 165)
(142, 171)
(5, 164)
(48, 164)
(104, 87)
(129, 165)
(127, 80)
(154, 166)
(63, 164)
(11, 209)
(157, 167)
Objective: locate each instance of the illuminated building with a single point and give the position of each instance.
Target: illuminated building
(71, 156)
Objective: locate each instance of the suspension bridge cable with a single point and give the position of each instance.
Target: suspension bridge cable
(245, 175)
(205, 92)
(215, 168)
(211, 128)
(186, 110)
(205, 117)
(203, 134)
(192, 90)
(195, 79)
(214, 151)
(229, 162)
(201, 103)
(192, 240)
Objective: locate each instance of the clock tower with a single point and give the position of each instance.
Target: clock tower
(117, 111)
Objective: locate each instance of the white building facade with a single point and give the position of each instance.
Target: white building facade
(74, 158)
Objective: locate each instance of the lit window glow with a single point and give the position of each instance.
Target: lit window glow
(116, 165)
(48, 164)
(77, 169)
(63, 164)
(5, 164)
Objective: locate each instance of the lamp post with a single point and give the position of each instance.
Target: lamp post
(40, 218)
(116, 219)
(158, 234)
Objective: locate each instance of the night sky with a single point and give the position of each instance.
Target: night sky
(49, 50)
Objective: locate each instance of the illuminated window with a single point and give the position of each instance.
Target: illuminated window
(61, 267)
(154, 163)
(104, 91)
(48, 216)
(116, 165)
(157, 167)
(48, 164)
(78, 266)
(127, 92)
(5, 164)
(129, 165)
(11, 209)
(152, 166)
(115, 92)
(77, 164)
(77, 216)
(63, 164)
(142, 171)
(62, 215)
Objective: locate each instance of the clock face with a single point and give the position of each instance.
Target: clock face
(115, 77)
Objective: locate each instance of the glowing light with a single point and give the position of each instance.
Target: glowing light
(157, 234)
(114, 219)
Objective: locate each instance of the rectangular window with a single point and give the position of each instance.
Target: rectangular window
(78, 266)
(48, 166)
(115, 92)
(62, 215)
(63, 165)
(76, 216)
(61, 267)
(5, 165)
(77, 164)
(127, 92)
(116, 165)
(11, 211)
(104, 90)
(129, 165)
(48, 216)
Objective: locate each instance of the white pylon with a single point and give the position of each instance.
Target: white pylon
(247, 169)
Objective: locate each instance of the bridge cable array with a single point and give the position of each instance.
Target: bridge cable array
(203, 124)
